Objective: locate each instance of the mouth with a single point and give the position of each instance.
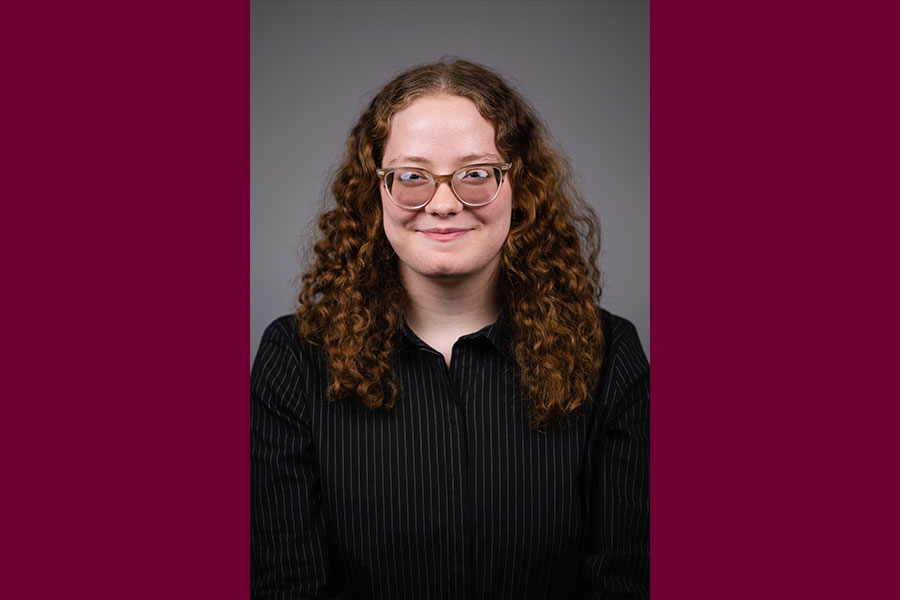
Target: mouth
(444, 234)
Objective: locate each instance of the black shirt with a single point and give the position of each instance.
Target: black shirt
(450, 494)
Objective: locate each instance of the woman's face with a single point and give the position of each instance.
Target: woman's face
(446, 240)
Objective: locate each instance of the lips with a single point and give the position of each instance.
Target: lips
(444, 234)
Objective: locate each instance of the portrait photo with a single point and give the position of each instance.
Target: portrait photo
(450, 300)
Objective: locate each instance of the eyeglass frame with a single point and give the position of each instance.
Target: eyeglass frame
(438, 179)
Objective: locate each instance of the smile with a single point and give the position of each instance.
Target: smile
(444, 235)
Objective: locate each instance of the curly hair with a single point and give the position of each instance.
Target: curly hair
(353, 304)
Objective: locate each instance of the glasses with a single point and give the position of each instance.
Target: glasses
(474, 185)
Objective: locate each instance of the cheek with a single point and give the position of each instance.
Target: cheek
(501, 233)
(501, 219)
(394, 221)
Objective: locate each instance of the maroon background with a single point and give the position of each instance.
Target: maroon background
(126, 233)
(126, 244)
(774, 203)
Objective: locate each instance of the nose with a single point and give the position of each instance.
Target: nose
(444, 202)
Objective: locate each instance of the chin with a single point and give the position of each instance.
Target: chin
(447, 267)
(448, 273)
(450, 270)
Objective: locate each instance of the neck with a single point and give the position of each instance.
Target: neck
(442, 310)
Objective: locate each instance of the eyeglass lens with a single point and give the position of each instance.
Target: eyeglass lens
(473, 186)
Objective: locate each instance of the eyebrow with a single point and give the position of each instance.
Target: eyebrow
(467, 159)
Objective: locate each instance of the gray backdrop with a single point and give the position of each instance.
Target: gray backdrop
(315, 64)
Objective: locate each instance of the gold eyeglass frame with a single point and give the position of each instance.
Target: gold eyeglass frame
(438, 179)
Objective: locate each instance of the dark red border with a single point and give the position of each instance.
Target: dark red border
(125, 422)
(774, 153)
(774, 204)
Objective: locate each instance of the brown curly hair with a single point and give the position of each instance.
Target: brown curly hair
(352, 302)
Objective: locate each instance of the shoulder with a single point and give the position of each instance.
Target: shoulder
(286, 366)
(625, 372)
(283, 328)
(620, 339)
(281, 336)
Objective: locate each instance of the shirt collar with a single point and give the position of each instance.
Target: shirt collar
(494, 333)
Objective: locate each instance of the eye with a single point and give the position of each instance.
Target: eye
(411, 177)
(474, 175)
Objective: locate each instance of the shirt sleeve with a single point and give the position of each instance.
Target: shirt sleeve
(289, 549)
(617, 562)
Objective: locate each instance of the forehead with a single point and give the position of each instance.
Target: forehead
(439, 129)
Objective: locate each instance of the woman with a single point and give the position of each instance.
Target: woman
(450, 414)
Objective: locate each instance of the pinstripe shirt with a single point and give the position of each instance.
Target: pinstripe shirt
(450, 494)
